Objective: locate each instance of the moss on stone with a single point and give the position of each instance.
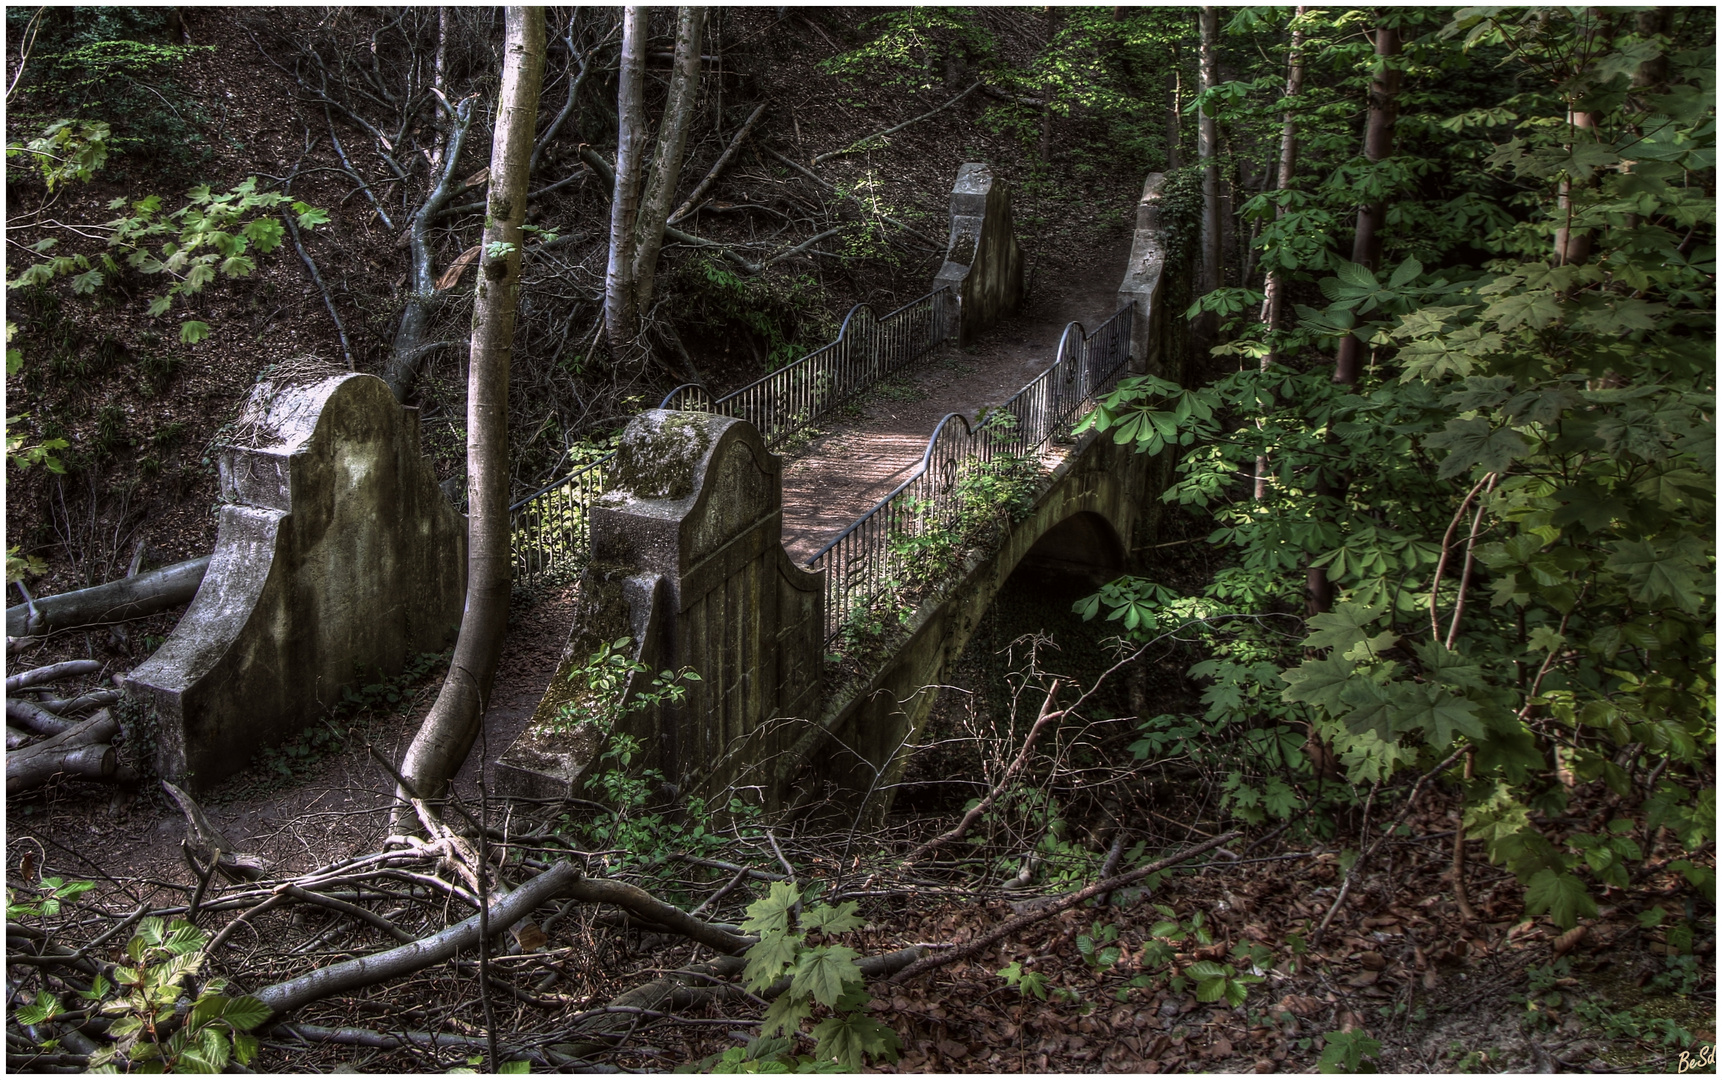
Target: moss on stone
(659, 452)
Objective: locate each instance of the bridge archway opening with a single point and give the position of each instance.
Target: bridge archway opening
(1083, 549)
(1035, 603)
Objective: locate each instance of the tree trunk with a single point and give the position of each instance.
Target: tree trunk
(52, 673)
(1365, 250)
(412, 344)
(447, 734)
(1207, 149)
(116, 601)
(1377, 145)
(672, 141)
(1273, 287)
(1175, 91)
(82, 751)
(621, 299)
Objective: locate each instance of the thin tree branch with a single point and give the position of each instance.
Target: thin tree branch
(717, 168)
(861, 143)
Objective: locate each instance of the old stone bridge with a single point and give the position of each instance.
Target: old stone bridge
(815, 673)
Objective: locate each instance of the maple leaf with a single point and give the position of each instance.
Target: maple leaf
(770, 914)
(766, 960)
(823, 971)
(1342, 627)
(832, 920)
(1473, 442)
(846, 1039)
(785, 1015)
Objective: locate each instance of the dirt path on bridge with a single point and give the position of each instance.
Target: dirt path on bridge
(869, 448)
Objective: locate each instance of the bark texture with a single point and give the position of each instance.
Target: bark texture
(448, 732)
(1208, 149)
(621, 299)
(1377, 146)
(81, 751)
(116, 601)
(672, 142)
(1273, 287)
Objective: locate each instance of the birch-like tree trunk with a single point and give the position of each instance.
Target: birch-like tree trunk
(1274, 286)
(667, 164)
(1208, 149)
(621, 298)
(446, 736)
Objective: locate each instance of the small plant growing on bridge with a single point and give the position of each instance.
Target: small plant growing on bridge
(601, 685)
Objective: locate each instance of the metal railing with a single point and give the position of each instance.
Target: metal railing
(550, 528)
(868, 348)
(878, 554)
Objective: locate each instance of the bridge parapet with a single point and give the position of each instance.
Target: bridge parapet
(983, 262)
(337, 554)
(688, 560)
(1156, 341)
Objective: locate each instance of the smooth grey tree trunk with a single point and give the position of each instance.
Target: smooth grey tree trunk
(1273, 288)
(621, 298)
(667, 164)
(115, 601)
(446, 736)
(1208, 149)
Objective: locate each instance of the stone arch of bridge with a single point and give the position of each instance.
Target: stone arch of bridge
(1078, 523)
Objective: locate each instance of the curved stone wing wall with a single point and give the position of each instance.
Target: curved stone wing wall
(337, 559)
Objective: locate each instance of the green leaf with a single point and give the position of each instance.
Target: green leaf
(785, 1015)
(1319, 682)
(832, 920)
(850, 1038)
(515, 1067)
(1562, 897)
(245, 1013)
(767, 960)
(87, 282)
(1473, 442)
(46, 1005)
(1659, 572)
(1342, 627)
(824, 971)
(191, 331)
(770, 914)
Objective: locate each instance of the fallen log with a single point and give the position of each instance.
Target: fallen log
(283, 997)
(16, 738)
(32, 717)
(95, 699)
(82, 751)
(207, 843)
(117, 601)
(67, 669)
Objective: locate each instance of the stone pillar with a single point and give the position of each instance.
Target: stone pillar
(983, 262)
(688, 560)
(1144, 282)
(337, 559)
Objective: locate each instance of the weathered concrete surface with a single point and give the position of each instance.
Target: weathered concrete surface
(1160, 338)
(687, 558)
(857, 748)
(336, 556)
(983, 262)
